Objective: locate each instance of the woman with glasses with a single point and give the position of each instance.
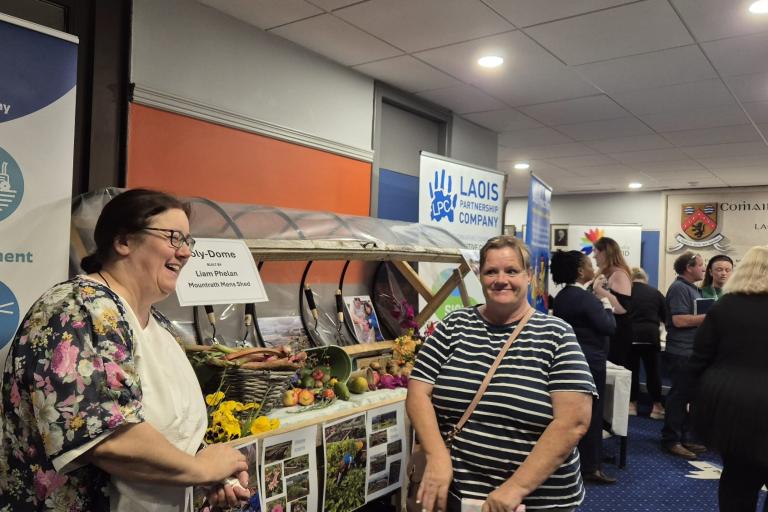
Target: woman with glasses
(614, 275)
(101, 409)
(729, 369)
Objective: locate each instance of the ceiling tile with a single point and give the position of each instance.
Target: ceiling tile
(462, 99)
(603, 170)
(655, 69)
(536, 165)
(667, 166)
(719, 135)
(612, 33)
(688, 96)
(573, 162)
(749, 88)
(728, 162)
(542, 152)
(337, 40)
(716, 19)
(415, 26)
(265, 13)
(721, 150)
(524, 13)
(634, 143)
(504, 120)
(653, 155)
(694, 119)
(330, 5)
(623, 127)
(592, 108)
(408, 74)
(534, 137)
(742, 176)
(681, 175)
(529, 74)
(739, 55)
(758, 111)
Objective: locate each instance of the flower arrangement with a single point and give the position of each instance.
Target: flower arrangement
(229, 419)
(404, 313)
(405, 348)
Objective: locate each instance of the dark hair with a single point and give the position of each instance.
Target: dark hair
(685, 260)
(500, 242)
(565, 266)
(127, 213)
(712, 261)
(613, 255)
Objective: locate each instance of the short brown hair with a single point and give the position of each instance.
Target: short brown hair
(685, 260)
(514, 243)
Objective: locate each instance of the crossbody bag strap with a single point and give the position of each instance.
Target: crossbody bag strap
(489, 376)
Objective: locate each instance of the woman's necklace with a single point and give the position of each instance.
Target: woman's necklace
(104, 279)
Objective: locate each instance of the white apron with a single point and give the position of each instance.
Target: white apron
(173, 404)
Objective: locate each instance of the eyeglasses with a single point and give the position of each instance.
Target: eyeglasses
(175, 237)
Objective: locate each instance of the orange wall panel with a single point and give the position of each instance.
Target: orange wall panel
(187, 156)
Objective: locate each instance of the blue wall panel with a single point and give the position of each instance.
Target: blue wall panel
(649, 256)
(398, 196)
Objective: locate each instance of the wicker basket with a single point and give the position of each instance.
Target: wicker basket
(258, 386)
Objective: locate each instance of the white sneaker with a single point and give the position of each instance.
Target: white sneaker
(657, 414)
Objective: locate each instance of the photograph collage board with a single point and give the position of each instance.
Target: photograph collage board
(386, 449)
(289, 472)
(345, 444)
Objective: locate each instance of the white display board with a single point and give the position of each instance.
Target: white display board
(386, 446)
(289, 471)
(38, 74)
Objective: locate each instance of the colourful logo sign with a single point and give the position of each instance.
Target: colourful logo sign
(699, 220)
(589, 238)
(9, 314)
(11, 185)
(443, 201)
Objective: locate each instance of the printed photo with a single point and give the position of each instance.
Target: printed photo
(346, 459)
(252, 458)
(394, 472)
(277, 452)
(395, 447)
(378, 438)
(378, 484)
(386, 420)
(296, 464)
(273, 480)
(378, 463)
(283, 330)
(276, 505)
(298, 506)
(297, 486)
(366, 323)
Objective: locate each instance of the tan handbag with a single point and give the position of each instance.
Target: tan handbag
(418, 461)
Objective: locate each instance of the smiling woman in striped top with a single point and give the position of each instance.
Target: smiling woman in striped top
(518, 446)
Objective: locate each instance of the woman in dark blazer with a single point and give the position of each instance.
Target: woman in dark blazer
(592, 319)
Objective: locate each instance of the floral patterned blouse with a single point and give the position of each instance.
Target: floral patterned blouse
(70, 376)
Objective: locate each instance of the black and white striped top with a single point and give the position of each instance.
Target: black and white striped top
(516, 407)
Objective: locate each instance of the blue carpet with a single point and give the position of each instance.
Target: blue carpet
(654, 481)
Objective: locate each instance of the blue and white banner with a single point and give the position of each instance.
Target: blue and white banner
(537, 239)
(468, 202)
(38, 67)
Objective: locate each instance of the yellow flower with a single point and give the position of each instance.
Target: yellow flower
(214, 398)
(264, 424)
(227, 421)
(76, 423)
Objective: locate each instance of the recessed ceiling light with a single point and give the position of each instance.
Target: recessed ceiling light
(635, 184)
(759, 7)
(491, 61)
(522, 166)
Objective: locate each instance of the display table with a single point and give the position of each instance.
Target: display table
(618, 383)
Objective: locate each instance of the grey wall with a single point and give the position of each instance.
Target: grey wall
(473, 144)
(403, 135)
(190, 51)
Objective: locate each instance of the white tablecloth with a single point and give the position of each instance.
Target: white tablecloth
(618, 383)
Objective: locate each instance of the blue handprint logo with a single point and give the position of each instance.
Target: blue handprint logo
(443, 202)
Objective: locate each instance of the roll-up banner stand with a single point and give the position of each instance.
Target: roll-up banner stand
(537, 240)
(467, 201)
(38, 75)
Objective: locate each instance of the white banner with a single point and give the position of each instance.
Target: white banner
(715, 222)
(468, 202)
(580, 237)
(37, 117)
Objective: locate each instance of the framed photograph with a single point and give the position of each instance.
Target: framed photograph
(364, 319)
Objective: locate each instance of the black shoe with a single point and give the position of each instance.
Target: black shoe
(695, 447)
(681, 451)
(598, 477)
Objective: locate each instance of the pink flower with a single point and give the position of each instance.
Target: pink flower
(119, 353)
(63, 318)
(117, 417)
(115, 375)
(15, 396)
(46, 482)
(78, 324)
(64, 359)
(277, 508)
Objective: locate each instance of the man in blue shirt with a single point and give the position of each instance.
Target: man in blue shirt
(681, 329)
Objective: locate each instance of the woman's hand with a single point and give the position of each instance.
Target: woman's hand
(504, 499)
(600, 286)
(218, 462)
(228, 495)
(433, 490)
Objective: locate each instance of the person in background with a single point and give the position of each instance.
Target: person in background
(648, 313)
(729, 369)
(519, 445)
(101, 409)
(614, 275)
(593, 322)
(718, 271)
(681, 330)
